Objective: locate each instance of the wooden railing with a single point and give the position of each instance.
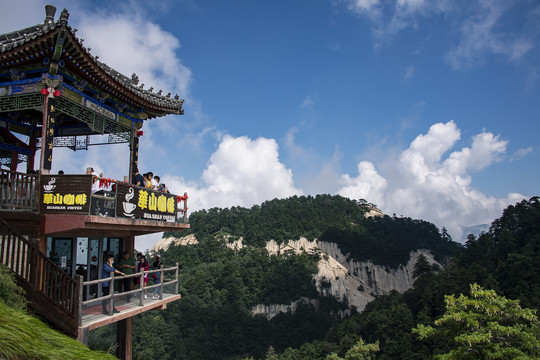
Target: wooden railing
(18, 190)
(171, 281)
(50, 290)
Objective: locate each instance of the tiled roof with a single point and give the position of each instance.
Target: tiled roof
(14, 43)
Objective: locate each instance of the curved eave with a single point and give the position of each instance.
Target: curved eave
(34, 44)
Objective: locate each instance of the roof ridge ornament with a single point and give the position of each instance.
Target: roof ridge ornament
(50, 10)
(64, 16)
(134, 79)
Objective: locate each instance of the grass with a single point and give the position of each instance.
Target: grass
(23, 336)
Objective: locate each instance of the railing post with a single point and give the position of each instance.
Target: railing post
(185, 208)
(161, 281)
(37, 193)
(176, 284)
(141, 288)
(111, 293)
(80, 287)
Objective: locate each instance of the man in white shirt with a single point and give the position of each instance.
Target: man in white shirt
(154, 185)
(97, 205)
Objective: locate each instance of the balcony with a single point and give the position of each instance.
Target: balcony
(127, 303)
(61, 204)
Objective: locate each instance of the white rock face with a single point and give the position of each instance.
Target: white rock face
(351, 281)
(164, 243)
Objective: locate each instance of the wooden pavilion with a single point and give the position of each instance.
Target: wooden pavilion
(55, 93)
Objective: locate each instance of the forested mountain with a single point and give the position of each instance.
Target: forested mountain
(220, 285)
(384, 240)
(505, 259)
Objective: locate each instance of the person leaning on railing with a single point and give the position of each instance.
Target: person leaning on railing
(127, 264)
(106, 273)
(97, 205)
(156, 276)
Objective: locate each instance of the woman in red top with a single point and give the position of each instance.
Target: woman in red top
(143, 265)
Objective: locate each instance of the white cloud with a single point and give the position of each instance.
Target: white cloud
(308, 101)
(424, 184)
(367, 185)
(480, 26)
(129, 42)
(242, 172)
(522, 152)
(485, 150)
(361, 6)
(480, 36)
(409, 73)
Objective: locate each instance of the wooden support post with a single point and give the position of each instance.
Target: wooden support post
(82, 335)
(162, 280)
(32, 156)
(124, 332)
(141, 288)
(111, 293)
(79, 295)
(176, 284)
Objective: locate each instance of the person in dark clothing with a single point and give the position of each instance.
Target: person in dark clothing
(105, 286)
(156, 276)
(138, 179)
(127, 264)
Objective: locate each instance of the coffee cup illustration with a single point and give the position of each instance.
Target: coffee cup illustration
(129, 207)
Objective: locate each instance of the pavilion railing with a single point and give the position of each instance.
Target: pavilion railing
(18, 190)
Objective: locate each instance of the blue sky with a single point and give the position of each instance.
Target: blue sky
(429, 109)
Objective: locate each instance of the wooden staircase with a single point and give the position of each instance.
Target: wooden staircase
(51, 292)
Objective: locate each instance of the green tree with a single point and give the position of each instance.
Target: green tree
(359, 351)
(485, 326)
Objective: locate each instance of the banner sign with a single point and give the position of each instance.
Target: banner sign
(143, 203)
(65, 194)
(49, 132)
(135, 152)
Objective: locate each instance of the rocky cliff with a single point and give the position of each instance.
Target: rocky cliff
(353, 282)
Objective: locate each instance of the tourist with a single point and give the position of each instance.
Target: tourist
(108, 269)
(154, 184)
(96, 205)
(156, 276)
(127, 264)
(137, 178)
(143, 266)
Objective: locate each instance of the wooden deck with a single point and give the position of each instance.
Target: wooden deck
(93, 318)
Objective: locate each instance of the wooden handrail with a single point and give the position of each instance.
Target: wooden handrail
(18, 190)
(41, 277)
(140, 274)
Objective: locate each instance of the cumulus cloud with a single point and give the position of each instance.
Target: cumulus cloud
(241, 172)
(426, 184)
(367, 185)
(129, 42)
